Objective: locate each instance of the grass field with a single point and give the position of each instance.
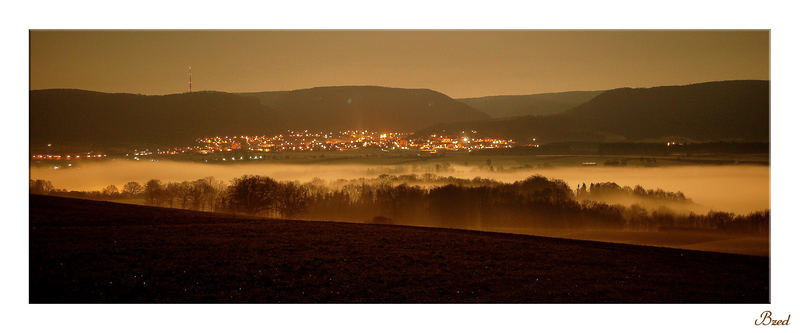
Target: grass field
(89, 251)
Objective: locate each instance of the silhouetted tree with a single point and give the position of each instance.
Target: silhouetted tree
(536, 202)
(110, 191)
(254, 194)
(40, 186)
(154, 191)
(132, 189)
(292, 199)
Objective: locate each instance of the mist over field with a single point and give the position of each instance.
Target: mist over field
(737, 189)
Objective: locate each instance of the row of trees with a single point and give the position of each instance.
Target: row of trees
(610, 190)
(129, 191)
(202, 194)
(536, 202)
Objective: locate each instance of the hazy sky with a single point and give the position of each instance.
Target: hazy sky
(457, 63)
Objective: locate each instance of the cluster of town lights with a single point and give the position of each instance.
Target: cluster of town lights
(66, 157)
(307, 141)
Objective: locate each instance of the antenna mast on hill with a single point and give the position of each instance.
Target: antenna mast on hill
(190, 78)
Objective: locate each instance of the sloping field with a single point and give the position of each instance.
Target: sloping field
(90, 251)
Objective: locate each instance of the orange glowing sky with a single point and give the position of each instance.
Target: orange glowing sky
(457, 63)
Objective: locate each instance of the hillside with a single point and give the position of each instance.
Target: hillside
(704, 111)
(529, 105)
(90, 251)
(725, 110)
(366, 107)
(102, 120)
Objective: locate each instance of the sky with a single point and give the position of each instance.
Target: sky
(461, 63)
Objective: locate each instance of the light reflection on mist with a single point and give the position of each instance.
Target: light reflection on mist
(737, 189)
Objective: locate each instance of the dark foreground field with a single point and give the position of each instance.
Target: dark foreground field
(89, 251)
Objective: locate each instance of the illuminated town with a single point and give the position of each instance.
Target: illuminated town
(304, 141)
(67, 157)
(307, 141)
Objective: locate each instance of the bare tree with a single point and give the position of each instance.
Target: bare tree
(253, 194)
(293, 199)
(184, 193)
(132, 189)
(217, 193)
(110, 191)
(201, 193)
(40, 186)
(179, 191)
(154, 191)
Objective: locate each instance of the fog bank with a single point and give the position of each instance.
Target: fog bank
(737, 189)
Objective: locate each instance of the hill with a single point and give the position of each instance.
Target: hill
(525, 105)
(704, 111)
(91, 251)
(725, 110)
(102, 120)
(366, 107)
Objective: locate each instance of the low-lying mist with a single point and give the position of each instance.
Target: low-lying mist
(737, 189)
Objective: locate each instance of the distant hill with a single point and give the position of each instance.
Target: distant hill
(366, 107)
(525, 105)
(102, 120)
(724, 110)
(88, 119)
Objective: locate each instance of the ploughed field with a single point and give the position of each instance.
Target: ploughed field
(91, 251)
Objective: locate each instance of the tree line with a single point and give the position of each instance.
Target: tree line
(536, 202)
(602, 191)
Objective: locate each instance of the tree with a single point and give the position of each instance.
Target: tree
(216, 197)
(132, 189)
(293, 199)
(154, 191)
(254, 194)
(202, 193)
(40, 186)
(172, 191)
(182, 191)
(110, 191)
